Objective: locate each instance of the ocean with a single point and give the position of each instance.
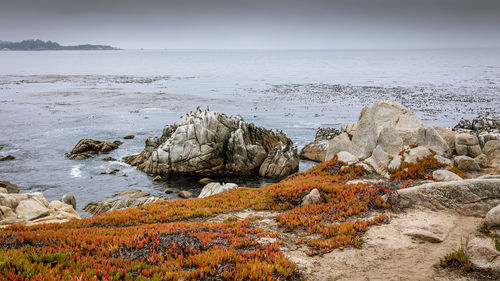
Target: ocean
(51, 99)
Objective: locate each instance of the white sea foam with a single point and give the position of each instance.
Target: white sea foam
(75, 171)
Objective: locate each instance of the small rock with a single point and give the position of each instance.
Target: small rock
(216, 188)
(11, 188)
(338, 144)
(86, 148)
(465, 163)
(447, 135)
(482, 160)
(108, 158)
(185, 194)
(70, 200)
(311, 198)
(424, 235)
(466, 139)
(395, 163)
(379, 160)
(444, 160)
(114, 172)
(205, 181)
(413, 154)
(157, 178)
(168, 191)
(7, 158)
(445, 175)
(347, 157)
(1, 147)
(492, 218)
(482, 254)
(129, 137)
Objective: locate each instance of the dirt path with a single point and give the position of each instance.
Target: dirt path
(387, 253)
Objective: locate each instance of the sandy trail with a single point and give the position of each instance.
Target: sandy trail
(386, 254)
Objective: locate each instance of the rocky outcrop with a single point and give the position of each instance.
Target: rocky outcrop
(474, 197)
(32, 208)
(130, 198)
(87, 148)
(485, 127)
(216, 188)
(316, 150)
(211, 143)
(386, 124)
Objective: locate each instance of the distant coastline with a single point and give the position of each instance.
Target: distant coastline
(39, 45)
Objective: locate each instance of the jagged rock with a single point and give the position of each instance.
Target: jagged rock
(210, 143)
(185, 194)
(130, 198)
(419, 152)
(393, 114)
(473, 197)
(338, 144)
(157, 178)
(465, 163)
(311, 198)
(346, 157)
(430, 138)
(69, 199)
(424, 235)
(349, 129)
(445, 175)
(379, 160)
(390, 141)
(448, 136)
(483, 255)
(492, 151)
(6, 212)
(280, 162)
(129, 137)
(11, 188)
(216, 188)
(492, 218)
(7, 158)
(87, 148)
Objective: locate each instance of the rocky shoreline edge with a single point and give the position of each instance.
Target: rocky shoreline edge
(413, 174)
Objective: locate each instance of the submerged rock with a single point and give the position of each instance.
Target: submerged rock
(211, 143)
(130, 198)
(7, 158)
(87, 148)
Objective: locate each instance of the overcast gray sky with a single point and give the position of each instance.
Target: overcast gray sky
(255, 23)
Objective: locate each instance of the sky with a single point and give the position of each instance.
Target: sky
(255, 24)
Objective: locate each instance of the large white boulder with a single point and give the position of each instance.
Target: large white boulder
(430, 138)
(216, 188)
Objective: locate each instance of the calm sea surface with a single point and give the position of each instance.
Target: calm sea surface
(51, 99)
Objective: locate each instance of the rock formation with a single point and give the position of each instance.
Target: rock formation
(211, 143)
(32, 208)
(129, 198)
(485, 127)
(87, 148)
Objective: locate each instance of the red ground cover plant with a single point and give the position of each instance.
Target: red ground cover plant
(169, 241)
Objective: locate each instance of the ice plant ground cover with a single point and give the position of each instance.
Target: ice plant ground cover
(170, 241)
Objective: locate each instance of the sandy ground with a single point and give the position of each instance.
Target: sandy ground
(387, 253)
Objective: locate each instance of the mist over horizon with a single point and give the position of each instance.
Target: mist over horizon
(274, 24)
